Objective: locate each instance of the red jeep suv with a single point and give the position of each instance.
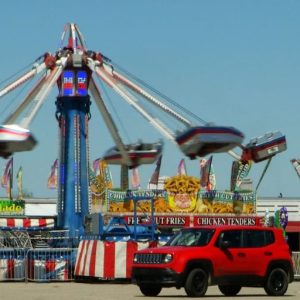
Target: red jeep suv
(228, 256)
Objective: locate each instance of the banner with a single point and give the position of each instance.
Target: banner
(6, 180)
(20, 183)
(155, 176)
(181, 168)
(239, 171)
(135, 178)
(296, 165)
(104, 172)
(96, 166)
(12, 208)
(219, 202)
(52, 180)
(166, 201)
(207, 174)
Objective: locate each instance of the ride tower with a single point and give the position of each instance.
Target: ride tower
(73, 114)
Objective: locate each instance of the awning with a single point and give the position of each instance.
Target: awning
(293, 226)
(27, 223)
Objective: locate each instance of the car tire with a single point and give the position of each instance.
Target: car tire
(277, 282)
(150, 290)
(196, 283)
(229, 290)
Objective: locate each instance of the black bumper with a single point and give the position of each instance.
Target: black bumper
(163, 277)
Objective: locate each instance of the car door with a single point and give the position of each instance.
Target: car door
(229, 259)
(258, 250)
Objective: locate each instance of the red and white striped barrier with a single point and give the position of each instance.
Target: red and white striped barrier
(12, 269)
(45, 270)
(106, 260)
(27, 223)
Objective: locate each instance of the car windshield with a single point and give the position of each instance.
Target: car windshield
(191, 237)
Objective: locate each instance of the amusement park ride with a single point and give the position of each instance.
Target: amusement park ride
(74, 69)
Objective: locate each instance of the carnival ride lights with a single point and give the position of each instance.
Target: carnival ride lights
(72, 68)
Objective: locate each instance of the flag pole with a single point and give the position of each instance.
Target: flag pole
(11, 180)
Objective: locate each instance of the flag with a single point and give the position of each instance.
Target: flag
(155, 175)
(52, 180)
(212, 182)
(9, 184)
(239, 171)
(181, 168)
(135, 179)
(6, 177)
(104, 172)
(96, 166)
(296, 165)
(207, 174)
(20, 183)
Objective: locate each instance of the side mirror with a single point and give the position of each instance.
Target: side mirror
(224, 244)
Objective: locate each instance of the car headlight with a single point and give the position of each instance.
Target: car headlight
(168, 258)
(135, 258)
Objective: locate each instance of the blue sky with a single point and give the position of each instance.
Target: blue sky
(234, 63)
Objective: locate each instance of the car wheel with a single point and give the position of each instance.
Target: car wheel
(150, 289)
(229, 290)
(277, 282)
(196, 283)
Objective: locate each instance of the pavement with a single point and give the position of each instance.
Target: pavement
(118, 291)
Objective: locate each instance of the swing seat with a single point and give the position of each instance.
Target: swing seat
(139, 154)
(264, 147)
(203, 140)
(14, 138)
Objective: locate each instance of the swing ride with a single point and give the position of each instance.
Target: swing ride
(76, 72)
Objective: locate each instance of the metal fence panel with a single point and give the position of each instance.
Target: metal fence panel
(12, 264)
(51, 264)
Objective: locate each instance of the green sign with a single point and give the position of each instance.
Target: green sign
(12, 207)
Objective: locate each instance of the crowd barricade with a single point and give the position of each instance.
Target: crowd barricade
(296, 261)
(37, 264)
(12, 264)
(107, 259)
(51, 264)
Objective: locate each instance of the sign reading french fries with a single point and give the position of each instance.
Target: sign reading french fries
(182, 194)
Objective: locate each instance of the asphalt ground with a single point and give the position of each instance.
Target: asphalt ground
(119, 291)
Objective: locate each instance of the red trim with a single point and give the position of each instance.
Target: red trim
(93, 259)
(42, 223)
(26, 223)
(293, 226)
(11, 268)
(86, 255)
(80, 254)
(11, 223)
(109, 259)
(131, 248)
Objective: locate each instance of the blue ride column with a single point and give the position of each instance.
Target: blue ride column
(73, 112)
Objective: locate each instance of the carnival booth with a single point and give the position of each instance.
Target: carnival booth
(108, 256)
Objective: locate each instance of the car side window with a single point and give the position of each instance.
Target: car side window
(233, 237)
(270, 239)
(258, 238)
